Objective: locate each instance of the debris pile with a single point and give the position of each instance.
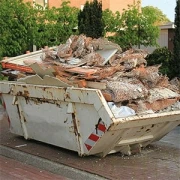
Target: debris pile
(123, 77)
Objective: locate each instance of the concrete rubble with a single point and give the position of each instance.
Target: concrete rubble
(123, 77)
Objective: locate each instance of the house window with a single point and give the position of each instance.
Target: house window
(82, 7)
(43, 3)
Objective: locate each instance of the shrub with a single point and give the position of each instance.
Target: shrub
(90, 21)
(161, 56)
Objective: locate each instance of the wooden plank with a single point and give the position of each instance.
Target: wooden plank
(96, 85)
(80, 70)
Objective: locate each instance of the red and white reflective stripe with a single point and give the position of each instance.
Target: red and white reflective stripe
(95, 136)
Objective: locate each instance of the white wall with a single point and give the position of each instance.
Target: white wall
(162, 41)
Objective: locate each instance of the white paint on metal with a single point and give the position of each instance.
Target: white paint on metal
(67, 117)
(22, 118)
(12, 111)
(70, 109)
(135, 140)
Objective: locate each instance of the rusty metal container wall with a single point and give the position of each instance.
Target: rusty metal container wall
(79, 119)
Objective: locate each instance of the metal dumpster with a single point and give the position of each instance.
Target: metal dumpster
(79, 119)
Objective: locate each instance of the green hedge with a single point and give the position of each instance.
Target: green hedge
(161, 56)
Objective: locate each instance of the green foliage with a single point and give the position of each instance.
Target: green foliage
(55, 25)
(176, 60)
(23, 25)
(2, 77)
(90, 21)
(161, 56)
(135, 29)
(67, 21)
(111, 21)
(155, 15)
(15, 21)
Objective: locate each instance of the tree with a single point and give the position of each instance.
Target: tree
(67, 21)
(155, 14)
(90, 20)
(15, 20)
(111, 21)
(176, 60)
(161, 56)
(54, 25)
(136, 29)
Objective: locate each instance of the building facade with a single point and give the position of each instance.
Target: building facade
(166, 37)
(113, 5)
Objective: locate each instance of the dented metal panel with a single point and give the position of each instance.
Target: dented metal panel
(79, 119)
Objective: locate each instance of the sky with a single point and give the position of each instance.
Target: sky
(166, 6)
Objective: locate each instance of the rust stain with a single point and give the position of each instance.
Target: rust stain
(99, 94)
(67, 96)
(20, 93)
(58, 105)
(24, 119)
(18, 111)
(20, 114)
(74, 123)
(27, 100)
(96, 125)
(77, 134)
(66, 120)
(10, 91)
(44, 100)
(112, 125)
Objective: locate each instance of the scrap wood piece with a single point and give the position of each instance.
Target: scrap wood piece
(122, 91)
(81, 83)
(163, 81)
(32, 61)
(148, 75)
(114, 60)
(80, 70)
(90, 84)
(161, 93)
(64, 50)
(137, 58)
(94, 59)
(96, 85)
(161, 104)
(139, 106)
(60, 72)
(107, 72)
(175, 84)
(42, 72)
(107, 96)
(143, 106)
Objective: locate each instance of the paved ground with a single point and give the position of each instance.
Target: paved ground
(159, 161)
(11, 169)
